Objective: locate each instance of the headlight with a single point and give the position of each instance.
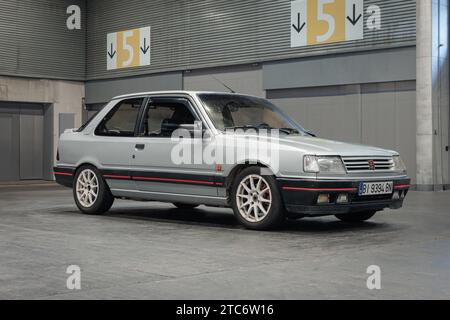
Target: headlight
(310, 164)
(399, 165)
(323, 165)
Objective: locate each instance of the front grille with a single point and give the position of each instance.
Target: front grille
(368, 164)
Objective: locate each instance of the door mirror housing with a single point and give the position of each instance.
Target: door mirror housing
(193, 128)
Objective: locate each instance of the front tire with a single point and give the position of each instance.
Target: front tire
(90, 191)
(256, 200)
(356, 217)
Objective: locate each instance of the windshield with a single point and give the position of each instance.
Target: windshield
(244, 112)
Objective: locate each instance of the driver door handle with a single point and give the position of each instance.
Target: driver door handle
(140, 146)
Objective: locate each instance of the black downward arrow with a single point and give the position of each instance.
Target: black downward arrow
(354, 20)
(111, 53)
(298, 27)
(145, 49)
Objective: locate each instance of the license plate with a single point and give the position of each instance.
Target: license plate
(375, 188)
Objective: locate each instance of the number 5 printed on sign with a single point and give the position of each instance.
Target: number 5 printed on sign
(329, 19)
(126, 53)
(316, 22)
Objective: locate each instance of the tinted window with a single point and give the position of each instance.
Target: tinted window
(163, 117)
(121, 121)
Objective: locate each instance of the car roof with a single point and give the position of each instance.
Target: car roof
(185, 92)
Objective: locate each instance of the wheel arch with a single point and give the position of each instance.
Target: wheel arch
(82, 164)
(238, 168)
(89, 163)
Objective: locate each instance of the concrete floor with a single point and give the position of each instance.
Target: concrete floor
(152, 251)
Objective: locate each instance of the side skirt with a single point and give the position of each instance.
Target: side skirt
(170, 197)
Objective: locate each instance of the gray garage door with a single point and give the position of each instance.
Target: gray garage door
(382, 115)
(21, 141)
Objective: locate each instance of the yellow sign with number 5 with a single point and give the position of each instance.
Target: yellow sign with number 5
(316, 22)
(128, 48)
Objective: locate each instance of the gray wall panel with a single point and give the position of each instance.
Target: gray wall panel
(66, 121)
(189, 34)
(379, 116)
(382, 115)
(186, 34)
(332, 112)
(364, 67)
(103, 90)
(389, 119)
(35, 41)
(405, 127)
(242, 79)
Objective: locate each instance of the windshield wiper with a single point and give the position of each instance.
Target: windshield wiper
(287, 131)
(242, 127)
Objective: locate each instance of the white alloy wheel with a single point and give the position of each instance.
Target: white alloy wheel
(254, 198)
(87, 188)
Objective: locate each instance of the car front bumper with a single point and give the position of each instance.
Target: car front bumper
(301, 196)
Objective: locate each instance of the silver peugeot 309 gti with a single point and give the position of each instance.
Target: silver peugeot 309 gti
(136, 147)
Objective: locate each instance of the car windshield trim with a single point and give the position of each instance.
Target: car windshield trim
(84, 125)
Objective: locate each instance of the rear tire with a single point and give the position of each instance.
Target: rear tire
(185, 206)
(356, 217)
(256, 200)
(90, 191)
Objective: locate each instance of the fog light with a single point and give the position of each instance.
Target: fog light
(396, 196)
(323, 198)
(342, 198)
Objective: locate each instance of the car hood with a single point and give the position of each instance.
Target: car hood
(330, 147)
(319, 146)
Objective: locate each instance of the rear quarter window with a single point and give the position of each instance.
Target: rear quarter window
(121, 120)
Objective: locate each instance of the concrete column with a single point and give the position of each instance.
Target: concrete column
(431, 73)
(444, 98)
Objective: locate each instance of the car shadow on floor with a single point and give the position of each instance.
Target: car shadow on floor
(224, 218)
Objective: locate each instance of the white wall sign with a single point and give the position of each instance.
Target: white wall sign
(128, 48)
(326, 21)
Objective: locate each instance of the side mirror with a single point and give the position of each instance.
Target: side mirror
(192, 128)
(188, 127)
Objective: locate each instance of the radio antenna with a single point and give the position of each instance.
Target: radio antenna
(223, 84)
